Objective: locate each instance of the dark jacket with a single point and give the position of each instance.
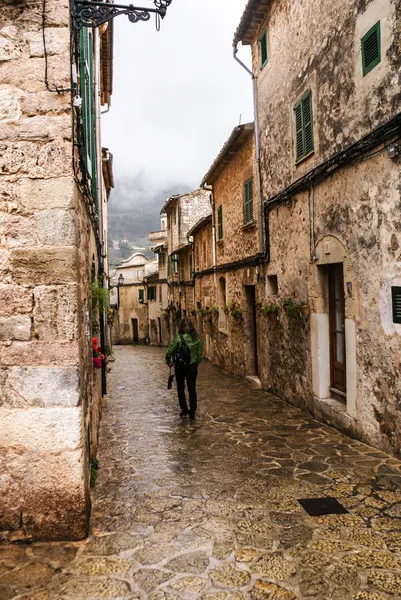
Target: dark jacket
(194, 345)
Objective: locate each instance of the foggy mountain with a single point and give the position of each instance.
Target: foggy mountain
(133, 211)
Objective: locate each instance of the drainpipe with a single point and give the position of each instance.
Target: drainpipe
(257, 150)
(96, 56)
(209, 188)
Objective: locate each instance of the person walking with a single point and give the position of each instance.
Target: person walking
(185, 352)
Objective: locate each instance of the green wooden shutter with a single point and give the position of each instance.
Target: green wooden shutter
(88, 107)
(169, 266)
(141, 295)
(396, 298)
(249, 201)
(303, 113)
(299, 131)
(371, 49)
(308, 122)
(220, 222)
(263, 49)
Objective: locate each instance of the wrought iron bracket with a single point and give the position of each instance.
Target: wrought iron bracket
(89, 13)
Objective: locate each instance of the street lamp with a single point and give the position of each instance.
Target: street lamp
(121, 279)
(93, 13)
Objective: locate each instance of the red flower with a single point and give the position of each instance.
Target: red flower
(97, 363)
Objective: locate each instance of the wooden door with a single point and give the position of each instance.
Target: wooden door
(135, 331)
(337, 329)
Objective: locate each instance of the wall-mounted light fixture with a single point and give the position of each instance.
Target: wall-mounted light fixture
(121, 280)
(393, 150)
(90, 13)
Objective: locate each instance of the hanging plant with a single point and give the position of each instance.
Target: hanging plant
(98, 357)
(270, 309)
(292, 309)
(100, 303)
(235, 310)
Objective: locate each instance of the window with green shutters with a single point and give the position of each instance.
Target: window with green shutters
(304, 127)
(249, 200)
(88, 108)
(264, 56)
(371, 52)
(220, 223)
(141, 295)
(152, 293)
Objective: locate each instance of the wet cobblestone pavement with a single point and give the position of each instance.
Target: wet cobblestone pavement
(208, 509)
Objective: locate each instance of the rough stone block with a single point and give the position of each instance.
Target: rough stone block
(43, 103)
(14, 299)
(56, 227)
(10, 109)
(33, 160)
(41, 266)
(39, 128)
(47, 430)
(10, 43)
(57, 42)
(42, 194)
(19, 232)
(15, 328)
(36, 354)
(46, 386)
(56, 312)
(27, 74)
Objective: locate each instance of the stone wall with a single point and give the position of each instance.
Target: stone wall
(239, 240)
(327, 60)
(349, 218)
(45, 248)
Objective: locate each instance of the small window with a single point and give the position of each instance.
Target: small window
(396, 296)
(304, 127)
(371, 53)
(152, 292)
(220, 223)
(160, 294)
(141, 295)
(264, 57)
(272, 285)
(249, 201)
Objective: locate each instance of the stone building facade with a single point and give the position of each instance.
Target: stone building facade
(129, 298)
(51, 226)
(229, 288)
(329, 124)
(183, 212)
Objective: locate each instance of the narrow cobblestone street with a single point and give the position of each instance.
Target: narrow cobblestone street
(208, 509)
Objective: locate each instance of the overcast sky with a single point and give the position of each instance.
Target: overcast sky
(178, 93)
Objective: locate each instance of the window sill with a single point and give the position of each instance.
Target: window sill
(223, 331)
(250, 225)
(304, 158)
(220, 242)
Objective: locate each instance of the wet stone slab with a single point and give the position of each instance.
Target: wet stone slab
(209, 509)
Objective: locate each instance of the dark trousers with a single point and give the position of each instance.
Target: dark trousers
(188, 373)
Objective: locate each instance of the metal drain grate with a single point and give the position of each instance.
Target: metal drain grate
(316, 507)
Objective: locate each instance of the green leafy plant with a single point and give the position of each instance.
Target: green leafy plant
(94, 472)
(226, 309)
(270, 308)
(291, 308)
(100, 303)
(214, 310)
(234, 309)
